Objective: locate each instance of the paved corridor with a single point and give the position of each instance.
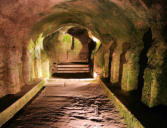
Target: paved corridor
(69, 104)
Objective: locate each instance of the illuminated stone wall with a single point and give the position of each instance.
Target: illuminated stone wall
(123, 21)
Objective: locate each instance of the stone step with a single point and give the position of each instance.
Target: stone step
(73, 65)
(72, 69)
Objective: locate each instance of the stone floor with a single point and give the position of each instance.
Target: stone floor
(69, 104)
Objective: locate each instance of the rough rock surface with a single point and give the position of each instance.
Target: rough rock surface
(70, 104)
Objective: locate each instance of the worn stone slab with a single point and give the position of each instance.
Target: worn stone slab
(129, 118)
(8, 113)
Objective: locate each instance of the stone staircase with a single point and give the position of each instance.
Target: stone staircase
(73, 67)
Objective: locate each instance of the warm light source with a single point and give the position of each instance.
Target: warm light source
(94, 74)
(95, 127)
(95, 39)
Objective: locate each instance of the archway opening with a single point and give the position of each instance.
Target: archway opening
(70, 51)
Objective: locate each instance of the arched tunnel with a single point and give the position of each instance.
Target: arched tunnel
(106, 55)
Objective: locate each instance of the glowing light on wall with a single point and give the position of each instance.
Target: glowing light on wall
(98, 43)
(95, 127)
(95, 39)
(94, 74)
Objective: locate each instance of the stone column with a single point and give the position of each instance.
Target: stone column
(115, 64)
(155, 81)
(26, 66)
(115, 67)
(130, 71)
(3, 73)
(106, 57)
(14, 60)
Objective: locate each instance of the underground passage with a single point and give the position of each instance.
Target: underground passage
(83, 63)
